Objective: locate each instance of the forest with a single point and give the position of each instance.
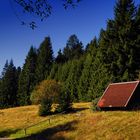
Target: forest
(85, 71)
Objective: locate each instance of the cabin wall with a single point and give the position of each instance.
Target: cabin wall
(134, 102)
(113, 108)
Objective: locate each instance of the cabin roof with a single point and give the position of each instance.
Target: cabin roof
(118, 94)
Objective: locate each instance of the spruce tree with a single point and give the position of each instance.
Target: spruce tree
(8, 92)
(27, 78)
(44, 60)
(85, 78)
(65, 100)
(60, 59)
(73, 49)
(137, 31)
(72, 81)
(53, 71)
(125, 12)
(84, 81)
(63, 71)
(118, 45)
(99, 78)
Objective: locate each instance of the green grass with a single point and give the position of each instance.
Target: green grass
(83, 124)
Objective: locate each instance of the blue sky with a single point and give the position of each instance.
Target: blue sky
(85, 21)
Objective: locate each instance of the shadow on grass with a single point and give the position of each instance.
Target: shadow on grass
(79, 109)
(52, 133)
(7, 133)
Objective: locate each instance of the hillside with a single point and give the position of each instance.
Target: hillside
(82, 124)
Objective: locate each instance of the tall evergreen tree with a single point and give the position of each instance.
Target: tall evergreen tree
(9, 84)
(27, 78)
(73, 49)
(137, 31)
(44, 60)
(99, 78)
(54, 71)
(60, 58)
(125, 12)
(118, 40)
(63, 75)
(63, 72)
(85, 78)
(72, 81)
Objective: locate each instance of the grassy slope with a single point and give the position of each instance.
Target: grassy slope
(80, 125)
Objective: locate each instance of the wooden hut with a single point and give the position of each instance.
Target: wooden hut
(121, 96)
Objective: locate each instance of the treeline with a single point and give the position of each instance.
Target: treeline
(85, 71)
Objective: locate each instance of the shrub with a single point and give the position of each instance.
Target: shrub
(45, 94)
(49, 92)
(45, 107)
(64, 101)
(47, 89)
(94, 104)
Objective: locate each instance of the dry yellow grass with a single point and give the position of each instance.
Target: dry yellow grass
(115, 125)
(19, 117)
(81, 125)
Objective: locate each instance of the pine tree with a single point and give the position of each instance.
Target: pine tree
(64, 100)
(137, 31)
(84, 81)
(85, 78)
(27, 78)
(73, 49)
(63, 71)
(53, 71)
(108, 53)
(2, 95)
(125, 12)
(60, 59)
(99, 78)
(117, 43)
(8, 92)
(73, 78)
(44, 60)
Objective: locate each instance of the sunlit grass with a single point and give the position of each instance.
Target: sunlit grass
(109, 125)
(80, 125)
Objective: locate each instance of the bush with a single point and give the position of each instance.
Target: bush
(64, 101)
(45, 94)
(94, 104)
(47, 89)
(45, 107)
(49, 92)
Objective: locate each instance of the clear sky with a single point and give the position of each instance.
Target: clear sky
(85, 21)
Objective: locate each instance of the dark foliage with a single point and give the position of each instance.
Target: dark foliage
(27, 78)
(45, 107)
(44, 60)
(64, 101)
(9, 85)
(40, 8)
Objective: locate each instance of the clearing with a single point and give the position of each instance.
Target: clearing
(83, 124)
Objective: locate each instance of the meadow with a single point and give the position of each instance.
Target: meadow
(82, 124)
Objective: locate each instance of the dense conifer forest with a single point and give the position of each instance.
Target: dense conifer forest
(85, 71)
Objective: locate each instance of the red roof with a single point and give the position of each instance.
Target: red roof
(118, 94)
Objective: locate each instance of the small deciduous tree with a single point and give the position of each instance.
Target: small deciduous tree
(49, 92)
(45, 94)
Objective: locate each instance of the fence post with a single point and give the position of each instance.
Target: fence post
(25, 131)
(49, 121)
